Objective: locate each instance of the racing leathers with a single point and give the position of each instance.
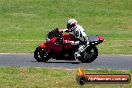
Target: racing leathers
(80, 38)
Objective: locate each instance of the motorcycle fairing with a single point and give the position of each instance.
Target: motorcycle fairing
(42, 45)
(68, 37)
(94, 40)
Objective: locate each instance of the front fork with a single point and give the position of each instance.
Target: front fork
(47, 53)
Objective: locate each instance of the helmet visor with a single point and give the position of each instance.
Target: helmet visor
(69, 26)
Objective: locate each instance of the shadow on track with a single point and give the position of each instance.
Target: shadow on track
(59, 62)
(65, 62)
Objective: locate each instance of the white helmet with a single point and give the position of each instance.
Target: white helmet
(71, 24)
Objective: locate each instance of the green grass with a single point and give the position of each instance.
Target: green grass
(18, 77)
(24, 23)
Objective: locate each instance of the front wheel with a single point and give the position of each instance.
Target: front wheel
(41, 55)
(89, 55)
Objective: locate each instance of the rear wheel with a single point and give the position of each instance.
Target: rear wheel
(89, 55)
(41, 55)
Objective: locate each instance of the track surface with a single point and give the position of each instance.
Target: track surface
(103, 61)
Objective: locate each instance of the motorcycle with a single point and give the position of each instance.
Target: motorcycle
(55, 48)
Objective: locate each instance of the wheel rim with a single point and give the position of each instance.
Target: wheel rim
(41, 53)
(89, 54)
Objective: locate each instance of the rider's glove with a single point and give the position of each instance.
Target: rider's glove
(67, 42)
(71, 42)
(75, 42)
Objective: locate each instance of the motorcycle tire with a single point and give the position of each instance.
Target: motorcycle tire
(88, 56)
(39, 55)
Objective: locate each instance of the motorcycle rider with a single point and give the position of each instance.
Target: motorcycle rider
(80, 36)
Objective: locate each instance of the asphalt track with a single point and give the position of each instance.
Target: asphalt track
(121, 62)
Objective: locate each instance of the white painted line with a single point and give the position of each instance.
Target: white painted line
(15, 53)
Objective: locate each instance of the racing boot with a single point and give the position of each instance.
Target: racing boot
(77, 55)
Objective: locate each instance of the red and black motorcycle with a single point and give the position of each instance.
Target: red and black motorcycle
(55, 48)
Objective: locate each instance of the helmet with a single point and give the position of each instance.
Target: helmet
(71, 24)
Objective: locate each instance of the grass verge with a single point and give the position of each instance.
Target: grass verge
(18, 77)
